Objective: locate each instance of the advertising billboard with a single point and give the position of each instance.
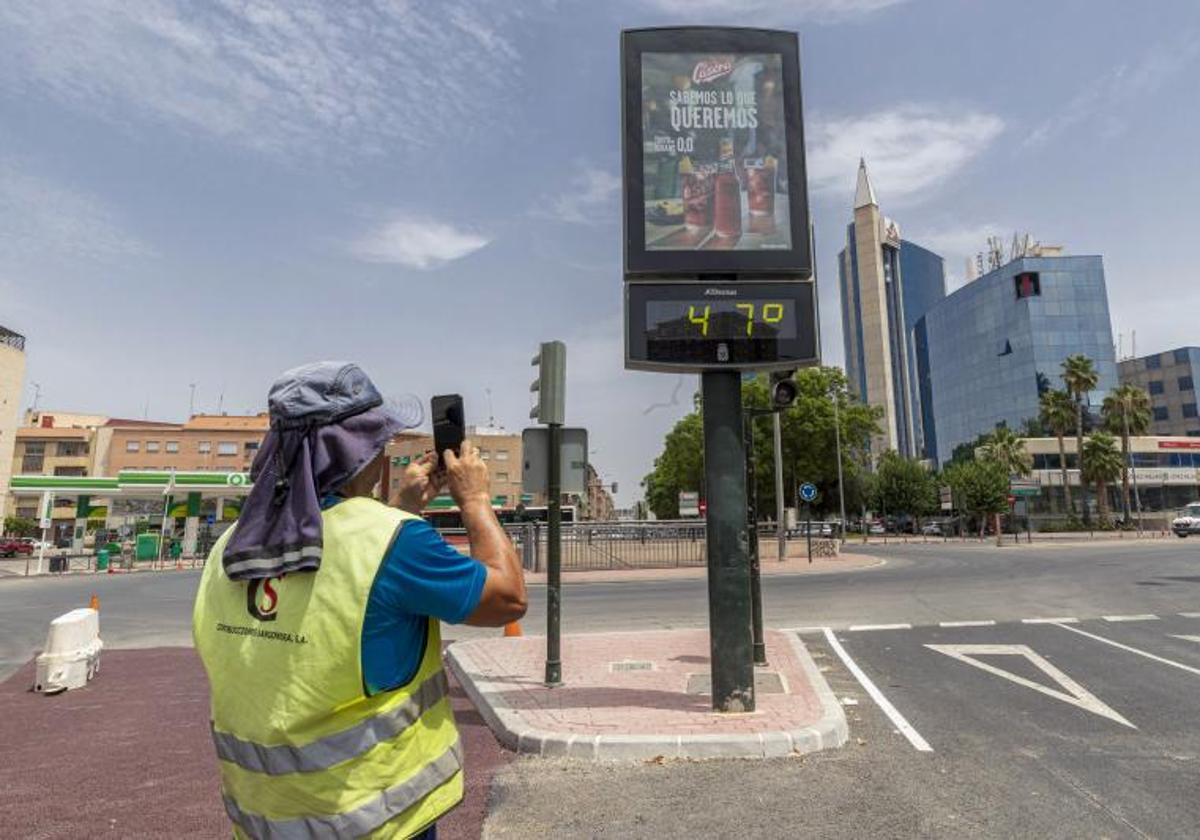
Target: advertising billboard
(713, 152)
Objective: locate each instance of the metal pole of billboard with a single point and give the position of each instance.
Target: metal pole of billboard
(554, 557)
(756, 616)
(729, 619)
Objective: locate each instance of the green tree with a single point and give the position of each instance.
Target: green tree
(980, 488)
(809, 446)
(1006, 451)
(1102, 466)
(904, 486)
(1058, 414)
(1080, 376)
(1126, 413)
(20, 526)
(680, 467)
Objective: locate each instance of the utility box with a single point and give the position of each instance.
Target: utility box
(72, 653)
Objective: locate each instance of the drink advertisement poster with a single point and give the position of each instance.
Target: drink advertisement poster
(713, 129)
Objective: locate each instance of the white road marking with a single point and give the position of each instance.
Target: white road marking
(857, 627)
(1188, 638)
(1191, 615)
(1139, 652)
(1143, 617)
(966, 624)
(897, 719)
(1075, 694)
(1067, 620)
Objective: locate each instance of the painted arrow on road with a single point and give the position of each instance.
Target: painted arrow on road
(1073, 694)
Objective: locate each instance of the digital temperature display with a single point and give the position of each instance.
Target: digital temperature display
(705, 326)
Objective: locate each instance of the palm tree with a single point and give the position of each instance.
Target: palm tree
(1126, 413)
(1058, 414)
(1102, 466)
(1007, 451)
(1079, 375)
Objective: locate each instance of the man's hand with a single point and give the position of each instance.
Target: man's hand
(419, 483)
(467, 476)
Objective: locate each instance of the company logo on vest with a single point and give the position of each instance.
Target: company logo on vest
(262, 598)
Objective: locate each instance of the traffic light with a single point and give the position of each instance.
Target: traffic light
(551, 384)
(783, 389)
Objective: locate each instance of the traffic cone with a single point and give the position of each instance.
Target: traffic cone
(94, 602)
(513, 628)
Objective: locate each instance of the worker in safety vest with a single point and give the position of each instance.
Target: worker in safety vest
(317, 619)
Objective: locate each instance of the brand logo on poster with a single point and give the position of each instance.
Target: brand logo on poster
(711, 70)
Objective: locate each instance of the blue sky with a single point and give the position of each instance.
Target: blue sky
(214, 192)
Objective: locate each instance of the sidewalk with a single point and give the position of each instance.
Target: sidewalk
(645, 695)
(131, 755)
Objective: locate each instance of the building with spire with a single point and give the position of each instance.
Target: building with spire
(887, 285)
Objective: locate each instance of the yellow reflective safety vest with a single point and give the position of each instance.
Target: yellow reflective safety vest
(303, 751)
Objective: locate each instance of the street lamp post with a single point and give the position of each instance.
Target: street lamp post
(1137, 498)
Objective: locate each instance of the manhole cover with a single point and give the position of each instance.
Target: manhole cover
(631, 665)
(765, 682)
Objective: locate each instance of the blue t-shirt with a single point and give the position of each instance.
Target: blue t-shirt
(422, 575)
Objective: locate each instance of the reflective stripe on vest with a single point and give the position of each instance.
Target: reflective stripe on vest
(362, 820)
(332, 749)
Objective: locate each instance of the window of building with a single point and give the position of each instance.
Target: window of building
(1181, 357)
(1185, 383)
(152, 446)
(204, 447)
(485, 455)
(226, 447)
(1189, 409)
(1028, 284)
(502, 476)
(72, 449)
(501, 454)
(172, 446)
(1161, 413)
(133, 446)
(34, 458)
(1156, 386)
(76, 471)
(251, 446)
(1193, 433)
(1153, 363)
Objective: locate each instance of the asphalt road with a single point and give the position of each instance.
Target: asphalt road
(982, 718)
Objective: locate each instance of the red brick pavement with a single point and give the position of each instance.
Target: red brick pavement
(595, 700)
(130, 756)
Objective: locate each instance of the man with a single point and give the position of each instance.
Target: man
(317, 619)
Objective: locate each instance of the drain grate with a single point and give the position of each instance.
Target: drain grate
(765, 682)
(631, 665)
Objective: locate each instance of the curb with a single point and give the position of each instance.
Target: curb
(511, 731)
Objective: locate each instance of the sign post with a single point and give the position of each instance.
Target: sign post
(45, 520)
(808, 492)
(718, 267)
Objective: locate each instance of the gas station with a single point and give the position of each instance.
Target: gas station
(180, 495)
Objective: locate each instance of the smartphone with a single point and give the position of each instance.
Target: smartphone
(449, 423)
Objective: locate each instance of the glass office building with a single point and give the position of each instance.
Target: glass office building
(987, 351)
(887, 284)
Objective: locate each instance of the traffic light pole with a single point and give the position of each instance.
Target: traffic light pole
(554, 557)
(729, 612)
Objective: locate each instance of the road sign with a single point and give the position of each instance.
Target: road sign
(535, 473)
(689, 503)
(46, 510)
(808, 492)
(946, 497)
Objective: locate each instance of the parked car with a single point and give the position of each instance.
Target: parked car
(1188, 522)
(932, 529)
(13, 547)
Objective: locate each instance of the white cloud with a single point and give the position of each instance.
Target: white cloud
(1126, 83)
(43, 221)
(762, 11)
(590, 196)
(909, 149)
(302, 77)
(416, 242)
(958, 244)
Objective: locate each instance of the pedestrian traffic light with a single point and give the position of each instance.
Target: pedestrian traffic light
(551, 384)
(783, 389)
